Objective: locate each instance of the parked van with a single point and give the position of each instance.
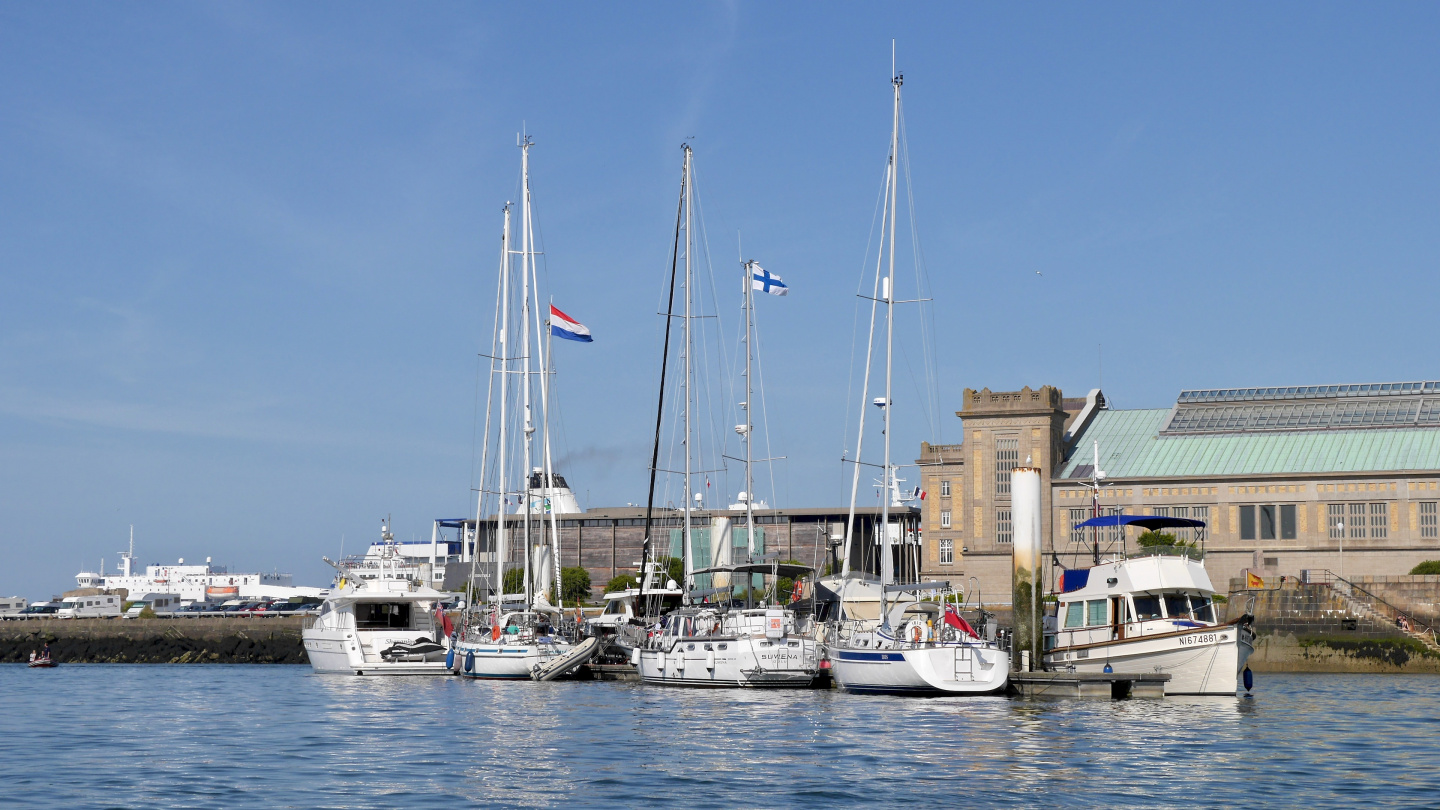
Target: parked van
(11, 606)
(161, 604)
(89, 607)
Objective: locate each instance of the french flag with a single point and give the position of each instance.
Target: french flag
(564, 326)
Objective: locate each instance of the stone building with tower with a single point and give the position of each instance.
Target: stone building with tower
(1338, 477)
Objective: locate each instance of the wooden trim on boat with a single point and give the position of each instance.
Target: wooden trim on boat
(1213, 628)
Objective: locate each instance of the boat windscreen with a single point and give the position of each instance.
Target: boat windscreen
(1147, 607)
(1177, 606)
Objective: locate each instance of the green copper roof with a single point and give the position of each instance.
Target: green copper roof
(1131, 447)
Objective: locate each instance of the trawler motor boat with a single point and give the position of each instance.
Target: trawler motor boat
(1152, 611)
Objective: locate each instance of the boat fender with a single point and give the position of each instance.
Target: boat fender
(635, 657)
(469, 662)
(1108, 669)
(450, 659)
(1249, 679)
(710, 659)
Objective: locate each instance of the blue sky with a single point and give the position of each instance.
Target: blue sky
(247, 250)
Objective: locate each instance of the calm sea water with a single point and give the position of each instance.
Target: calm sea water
(99, 735)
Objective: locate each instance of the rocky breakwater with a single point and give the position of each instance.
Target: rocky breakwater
(203, 640)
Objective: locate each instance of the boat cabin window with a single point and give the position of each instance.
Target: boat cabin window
(1202, 608)
(381, 615)
(1075, 614)
(615, 606)
(1147, 608)
(1097, 612)
(1177, 606)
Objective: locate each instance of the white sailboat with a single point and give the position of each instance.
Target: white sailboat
(910, 646)
(517, 634)
(720, 645)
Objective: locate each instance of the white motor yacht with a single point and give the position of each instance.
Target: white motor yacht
(1149, 612)
(380, 626)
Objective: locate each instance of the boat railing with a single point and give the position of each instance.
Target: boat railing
(1189, 552)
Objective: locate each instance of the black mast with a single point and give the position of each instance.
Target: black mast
(660, 406)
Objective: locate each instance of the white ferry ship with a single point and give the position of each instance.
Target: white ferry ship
(193, 582)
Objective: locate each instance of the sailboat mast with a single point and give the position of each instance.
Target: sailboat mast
(548, 482)
(888, 294)
(689, 346)
(502, 538)
(749, 420)
(645, 548)
(485, 440)
(528, 427)
(865, 390)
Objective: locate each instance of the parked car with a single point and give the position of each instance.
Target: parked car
(194, 609)
(252, 608)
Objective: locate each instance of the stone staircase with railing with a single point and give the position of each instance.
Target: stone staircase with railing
(1365, 603)
(1323, 603)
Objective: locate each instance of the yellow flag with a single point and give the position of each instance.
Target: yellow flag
(1253, 581)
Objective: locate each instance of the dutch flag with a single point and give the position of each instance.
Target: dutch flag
(564, 326)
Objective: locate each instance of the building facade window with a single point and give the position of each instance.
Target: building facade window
(945, 519)
(1429, 525)
(945, 488)
(1077, 534)
(1003, 530)
(1007, 458)
(1361, 520)
(1267, 521)
(947, 551)
(1359, 516)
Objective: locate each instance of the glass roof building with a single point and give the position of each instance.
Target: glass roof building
(1283, 476)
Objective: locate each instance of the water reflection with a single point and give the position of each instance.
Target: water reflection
(253, 736)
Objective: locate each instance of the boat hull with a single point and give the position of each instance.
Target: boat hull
(1203, 661)
(742, 663)
(938, 670)
(347, 652)
(503, 662)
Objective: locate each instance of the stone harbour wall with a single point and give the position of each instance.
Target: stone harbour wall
(1317, 628)
(204, 640)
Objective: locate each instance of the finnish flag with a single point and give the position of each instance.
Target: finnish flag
(765, 281)
(564, 326)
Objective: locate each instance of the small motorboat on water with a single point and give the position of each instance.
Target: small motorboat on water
(1152, 611)
(42, 660)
